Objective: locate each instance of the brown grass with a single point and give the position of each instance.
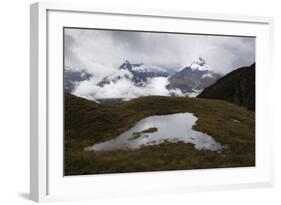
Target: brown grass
(87, 123)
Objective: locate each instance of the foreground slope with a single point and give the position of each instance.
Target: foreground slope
(87, 123)
(237, 87)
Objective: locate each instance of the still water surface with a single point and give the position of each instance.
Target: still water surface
(170, 128)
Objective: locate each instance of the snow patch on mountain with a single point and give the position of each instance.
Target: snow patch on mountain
(195, 66)
(140, 68)
(200, 65)
(147, 68)
(207, 75)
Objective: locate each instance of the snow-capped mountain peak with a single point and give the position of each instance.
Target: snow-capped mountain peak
(126, 65)
(195, 66)
(138, 73)
(141, 67)
(200, 65)
(197, 76)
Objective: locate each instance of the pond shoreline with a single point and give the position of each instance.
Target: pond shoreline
(158, 129)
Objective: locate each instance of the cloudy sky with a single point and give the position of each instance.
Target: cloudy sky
(99, 51)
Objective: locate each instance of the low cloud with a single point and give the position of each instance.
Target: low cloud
(125, 89)
(99, 51)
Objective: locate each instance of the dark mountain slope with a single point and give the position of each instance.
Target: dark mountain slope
(237, 87)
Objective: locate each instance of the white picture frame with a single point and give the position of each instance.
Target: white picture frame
(47, 182)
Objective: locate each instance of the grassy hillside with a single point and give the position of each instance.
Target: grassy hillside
(237, 87)
(87, 123)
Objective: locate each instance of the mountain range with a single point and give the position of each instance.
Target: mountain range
(190, 79)
(237, 87)
(139, 74)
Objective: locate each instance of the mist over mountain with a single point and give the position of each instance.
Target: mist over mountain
(139, 74)
(126, 82)
(102, 65)
(72, 78)
(132, 80)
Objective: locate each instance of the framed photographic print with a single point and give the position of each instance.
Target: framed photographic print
(127, 102)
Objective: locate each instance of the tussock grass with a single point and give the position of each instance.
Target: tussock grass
(87, 123)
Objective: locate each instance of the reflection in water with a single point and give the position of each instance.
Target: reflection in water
(170, 128)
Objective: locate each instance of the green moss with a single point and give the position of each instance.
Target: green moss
(150, 130)
(136, 135)
(87, 123)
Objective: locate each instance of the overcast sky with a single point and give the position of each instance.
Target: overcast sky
(101, 51)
